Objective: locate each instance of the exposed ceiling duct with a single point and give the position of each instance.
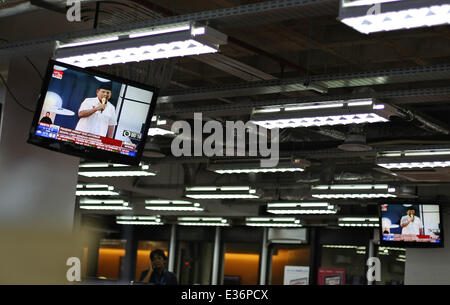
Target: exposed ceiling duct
(319, 83)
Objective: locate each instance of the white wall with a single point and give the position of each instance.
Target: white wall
(429, 266)
(37, 186)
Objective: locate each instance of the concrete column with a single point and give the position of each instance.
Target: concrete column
(128, 269)
(370, 253)
(172, 248)
(216, 258)
(263, 265)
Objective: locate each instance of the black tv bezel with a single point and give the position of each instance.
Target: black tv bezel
(89, 153)
(406, 244)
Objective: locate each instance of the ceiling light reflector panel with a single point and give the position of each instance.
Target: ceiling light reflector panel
(383, 15)
(180, 40)
(323, 114)
(414, 159)
(353, 191)
(255, 167)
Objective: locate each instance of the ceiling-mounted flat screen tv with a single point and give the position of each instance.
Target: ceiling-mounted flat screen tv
(92, 115)
(411, 225)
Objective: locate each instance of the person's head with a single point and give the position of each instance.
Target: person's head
(104, 91)
(158, 258)
(411, 212)
(47, 114)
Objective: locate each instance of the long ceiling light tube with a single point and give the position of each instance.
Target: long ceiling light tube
(172, 205)
(353, 191)
(279, 222)
(203, 221)
(414, 159)
(255, 167)
(114, 170)
(358, 222)
(366, 18)
(221, 192)
(310, 208)
(95, 190)
(178, 40)
(104, 204)
(139, 220)
(323, 114)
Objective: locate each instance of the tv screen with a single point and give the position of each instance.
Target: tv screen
(92, 115)
(411, 225)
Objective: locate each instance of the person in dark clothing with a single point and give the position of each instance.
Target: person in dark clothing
(46, 119)
(158, 273)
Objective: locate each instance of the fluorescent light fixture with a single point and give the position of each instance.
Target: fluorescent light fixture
(100, 79)
(221, 192)
(340, 247)
(301, 208)
(139, 220)
(351, 187)
(347, 3)
(203, 221)
(147, 44)
(392, 249)
(235, 188)
(201, 188)
(353, 191)
(414, 159)
(279, 222)
(256, 171)
(100, 164)
(95, 190)
(255, 167)
(104, 204)
(97, 186)
(358, 222)
(322, 114)
(156, 131)
(366, 18)
(172, 205)
(352, 196)
(88, 42)
(114, 170)
(361, 103)
(161, 31)
(313, 107)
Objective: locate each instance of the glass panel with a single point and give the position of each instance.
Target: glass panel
(348, 258)
(110, 255)
(241, 265)
(287, 255)
(145, 247)
(392, 262)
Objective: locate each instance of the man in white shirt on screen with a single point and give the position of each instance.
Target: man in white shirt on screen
(411, 224)
(97, 115)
